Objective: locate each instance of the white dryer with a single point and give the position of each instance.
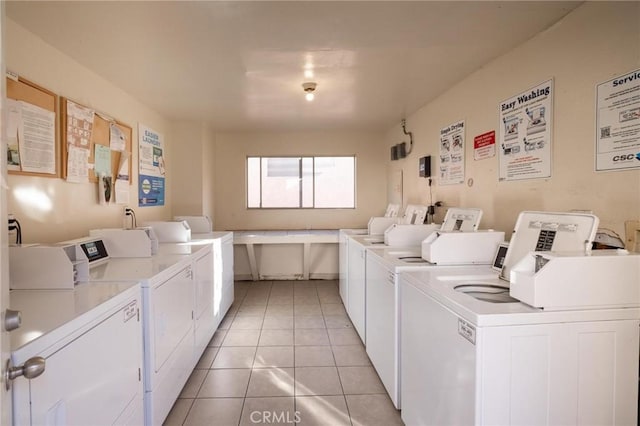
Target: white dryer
(223, 281)
(167, 282)
(90, 337)
(202, 257)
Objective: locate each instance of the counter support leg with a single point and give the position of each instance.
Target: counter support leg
(306, 260)
(252, 262)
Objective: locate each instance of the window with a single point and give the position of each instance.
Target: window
(301, 182)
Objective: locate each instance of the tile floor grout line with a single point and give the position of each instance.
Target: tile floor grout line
(188, 411)
(250, 371)
(235, 314)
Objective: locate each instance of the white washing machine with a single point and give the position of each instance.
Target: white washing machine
(167, 282)
(383, 266)
(373, 234)
(356, 263)
(90, 337)
(396, 235)
(471, 361)
(467, 359)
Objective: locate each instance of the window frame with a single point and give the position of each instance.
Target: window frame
(300, 177)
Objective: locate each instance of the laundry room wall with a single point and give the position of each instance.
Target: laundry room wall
(595, 43)
(193, 164)
(50, 209)
(232, 149)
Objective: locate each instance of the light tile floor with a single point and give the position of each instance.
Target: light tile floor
(286, 353)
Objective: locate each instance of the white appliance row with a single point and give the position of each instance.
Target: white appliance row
(353, 286)
(471, 353)
(187, 289)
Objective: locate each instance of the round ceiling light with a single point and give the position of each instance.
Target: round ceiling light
(309, 87)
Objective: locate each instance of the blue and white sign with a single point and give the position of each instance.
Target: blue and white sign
(618, 123)
(151, 171)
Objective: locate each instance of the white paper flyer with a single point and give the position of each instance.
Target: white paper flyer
(452, 154)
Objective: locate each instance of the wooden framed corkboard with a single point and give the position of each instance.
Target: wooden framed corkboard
(21, 89)
(100, 134)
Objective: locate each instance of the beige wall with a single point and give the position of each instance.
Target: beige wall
(232, 150)
(208, 172)
(187, 180)
(73, 207)
(596, 42)
(193, 160)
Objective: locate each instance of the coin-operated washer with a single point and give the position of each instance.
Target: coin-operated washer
(87, 337)
(383, 268)
(357, 248)
(376, 227)
(472, 354)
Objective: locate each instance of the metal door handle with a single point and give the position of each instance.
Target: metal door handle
(32, 368)
(12, 319)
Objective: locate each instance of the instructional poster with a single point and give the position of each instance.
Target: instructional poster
(151, 179)
(526, 121)
(618, 123)
(452, 154)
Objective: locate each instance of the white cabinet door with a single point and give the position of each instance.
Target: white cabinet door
(94, 379)
(381, 325)
(171, 316)
(438, 364)
(356, 290)
(204, 302)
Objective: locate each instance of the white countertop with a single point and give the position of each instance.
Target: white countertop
(286, 236)
(139, 269)
(191, 247)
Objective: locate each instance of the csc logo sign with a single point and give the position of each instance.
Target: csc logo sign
(626, 157)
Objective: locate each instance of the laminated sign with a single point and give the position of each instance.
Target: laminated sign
(151, 172)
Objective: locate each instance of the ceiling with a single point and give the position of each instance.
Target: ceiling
(240, 65)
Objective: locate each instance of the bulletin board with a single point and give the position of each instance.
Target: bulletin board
(100, 134)
(21, 89)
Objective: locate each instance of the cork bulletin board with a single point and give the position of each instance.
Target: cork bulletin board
(39, 159)
(89, 134)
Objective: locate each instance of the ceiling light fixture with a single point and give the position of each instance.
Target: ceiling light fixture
(309, 87)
